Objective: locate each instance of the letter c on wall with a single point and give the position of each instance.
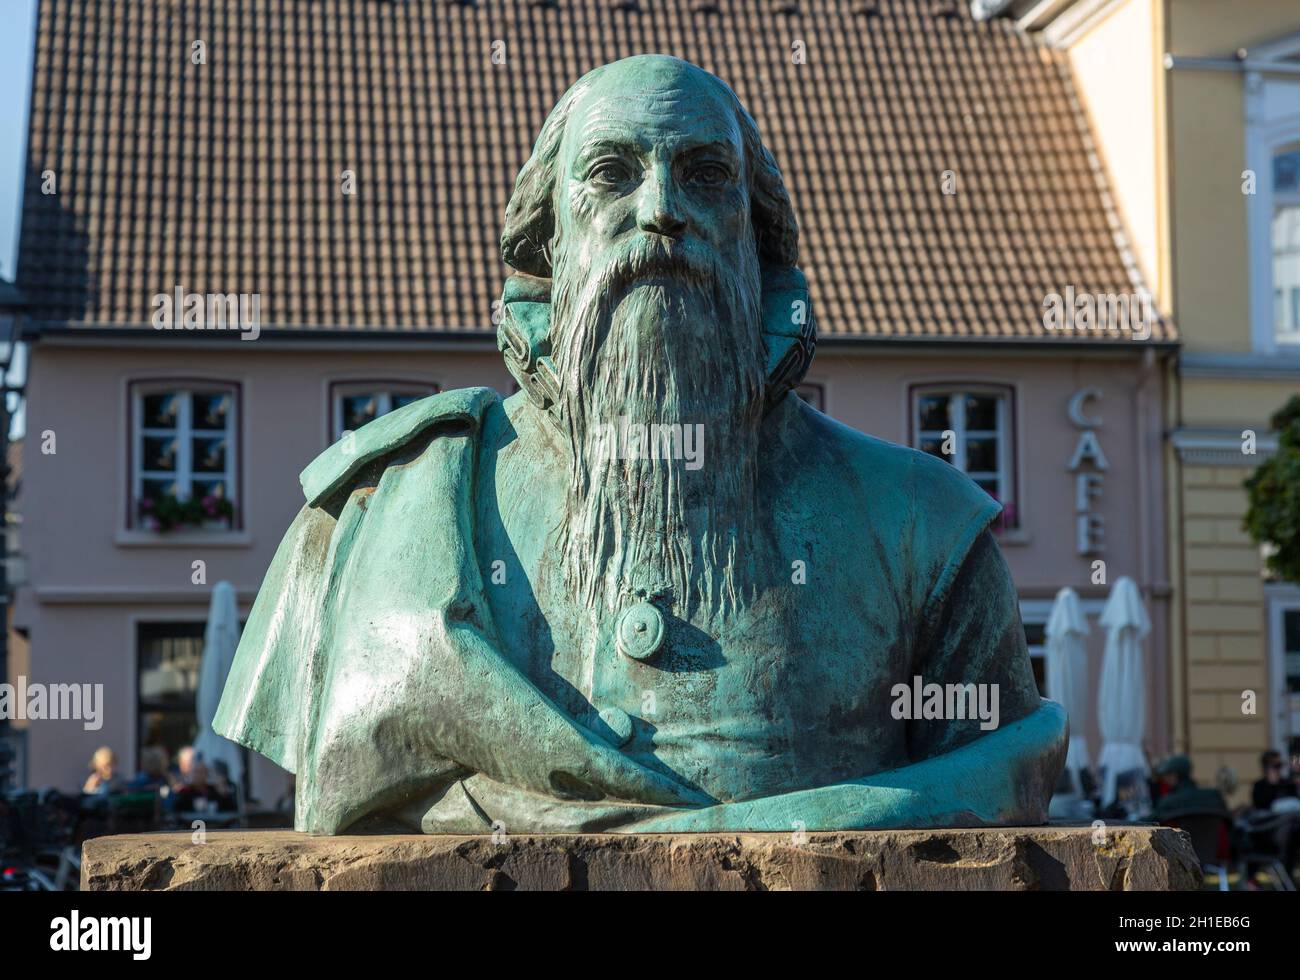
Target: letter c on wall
(1077, 401)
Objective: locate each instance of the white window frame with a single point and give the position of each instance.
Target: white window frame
(383, 390)
(1038, 611)
(1004, 434)
(136, 622)
(1280, 599)
(1291, 199)
(1272, 125)
(184, 431)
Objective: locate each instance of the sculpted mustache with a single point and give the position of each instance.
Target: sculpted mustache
(598, 287)
(647, 257)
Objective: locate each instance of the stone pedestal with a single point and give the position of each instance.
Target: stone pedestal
(1054, 858)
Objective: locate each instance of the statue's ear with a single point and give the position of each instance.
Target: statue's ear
(523, 335)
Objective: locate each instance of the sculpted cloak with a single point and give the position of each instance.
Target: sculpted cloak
(372, 668)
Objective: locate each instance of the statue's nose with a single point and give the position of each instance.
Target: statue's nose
(659, 211)
(664, 223)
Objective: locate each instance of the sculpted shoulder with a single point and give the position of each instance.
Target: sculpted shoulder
(887, 485)
(458, 411)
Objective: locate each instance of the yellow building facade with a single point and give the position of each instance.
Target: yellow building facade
(1195, 113)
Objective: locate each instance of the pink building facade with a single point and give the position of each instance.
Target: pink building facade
(109, 600)
(349, 163)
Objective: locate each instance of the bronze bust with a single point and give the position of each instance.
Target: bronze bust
(654, 590)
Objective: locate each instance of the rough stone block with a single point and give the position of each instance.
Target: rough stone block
(1053, 858)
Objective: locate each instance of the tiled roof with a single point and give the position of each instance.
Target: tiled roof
(225, 176)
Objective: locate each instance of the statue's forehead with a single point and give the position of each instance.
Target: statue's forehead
(681, 110)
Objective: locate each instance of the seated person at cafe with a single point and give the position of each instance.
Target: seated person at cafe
(1182, 795)
(200, 794)
(183, 771)
(153, 770)
(1273, 785)
(103, 778)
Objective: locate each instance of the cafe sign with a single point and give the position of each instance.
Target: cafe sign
(1089, 466)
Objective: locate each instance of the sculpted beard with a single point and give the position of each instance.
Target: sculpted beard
(660, 333)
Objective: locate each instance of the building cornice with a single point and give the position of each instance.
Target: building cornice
(1277, 57)
(103, 335)
(1284, 366)
(107, 595)
(279, 339)
(1220, 447)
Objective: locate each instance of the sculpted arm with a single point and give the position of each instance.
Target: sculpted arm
(491, 719)
(995, 780)
(961, 776)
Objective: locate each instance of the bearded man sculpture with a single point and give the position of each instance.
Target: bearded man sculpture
(654, 590)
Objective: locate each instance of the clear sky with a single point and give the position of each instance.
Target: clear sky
(17, 30)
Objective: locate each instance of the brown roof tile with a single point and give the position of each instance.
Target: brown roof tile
(224, 177)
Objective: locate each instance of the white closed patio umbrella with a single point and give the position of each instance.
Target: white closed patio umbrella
(1067, 675)
(220, 640)
(1122, 692)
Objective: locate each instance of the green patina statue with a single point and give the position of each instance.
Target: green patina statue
(654, 591)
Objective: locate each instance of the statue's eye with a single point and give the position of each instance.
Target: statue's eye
(709, 174)
(610, 173)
